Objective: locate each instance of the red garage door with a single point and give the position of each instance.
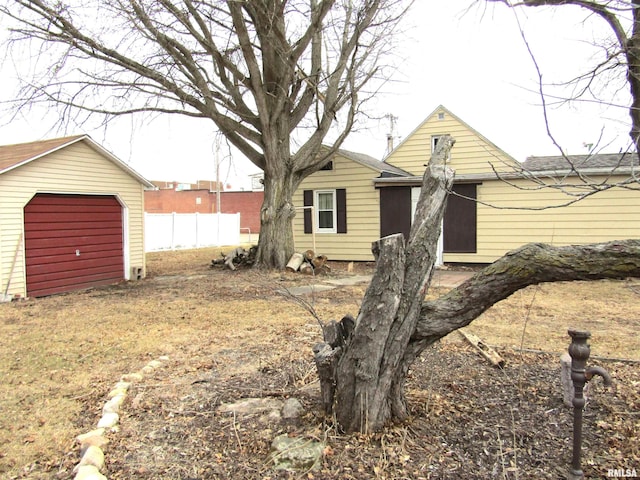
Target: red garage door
(72, 242)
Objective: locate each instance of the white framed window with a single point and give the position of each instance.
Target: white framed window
(434, 142)
(326, 218)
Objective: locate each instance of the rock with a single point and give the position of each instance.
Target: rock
(292, 409)
(120, 388)
(113, 405)
(296, 453)
(154, 364)
(252, 406)
(131, 377)
(88, 472)
(83, 438)
(94, 440)
(108, 420)
(273, 416)
(117, 391)
(93, 456)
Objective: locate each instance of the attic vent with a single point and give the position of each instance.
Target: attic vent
(328, 166)
(441, 116)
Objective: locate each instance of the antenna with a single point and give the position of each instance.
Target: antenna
(392, 127)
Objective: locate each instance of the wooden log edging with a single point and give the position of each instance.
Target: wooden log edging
(92, 443)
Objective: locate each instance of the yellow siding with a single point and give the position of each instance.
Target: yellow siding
(471, 153)
(363, 212)
(606, 216)
(75, 169)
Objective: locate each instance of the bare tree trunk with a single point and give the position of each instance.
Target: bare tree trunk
(276, 244)
(372, 363)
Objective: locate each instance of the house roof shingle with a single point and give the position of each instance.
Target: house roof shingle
(13, 156)
(599, 161)
(371, 162)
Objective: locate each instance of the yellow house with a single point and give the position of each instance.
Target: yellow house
(488, 214)
(71, 217)
(339, 207)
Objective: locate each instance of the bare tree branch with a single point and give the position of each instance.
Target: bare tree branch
(529, 265)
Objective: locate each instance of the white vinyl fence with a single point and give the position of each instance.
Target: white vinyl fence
(171, 231)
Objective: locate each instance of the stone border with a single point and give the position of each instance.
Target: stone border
(92, 443)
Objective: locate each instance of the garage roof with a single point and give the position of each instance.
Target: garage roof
(14, 156)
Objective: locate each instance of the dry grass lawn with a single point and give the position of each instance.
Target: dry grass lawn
(60, 355)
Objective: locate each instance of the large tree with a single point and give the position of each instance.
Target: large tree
(276, 77)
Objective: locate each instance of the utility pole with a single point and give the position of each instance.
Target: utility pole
(392, 127)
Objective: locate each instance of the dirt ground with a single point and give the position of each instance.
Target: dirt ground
(231, 335)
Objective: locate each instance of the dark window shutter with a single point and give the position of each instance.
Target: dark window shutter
(307, 200)
(341, 200)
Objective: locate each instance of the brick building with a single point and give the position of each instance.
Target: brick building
(176, 197)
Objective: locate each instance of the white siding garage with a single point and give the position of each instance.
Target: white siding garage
(71, 217)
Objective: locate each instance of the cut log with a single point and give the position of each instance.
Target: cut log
(309, 255)
(487, 352)
(295, 261)
(306, 268)
(323, 270)
(238, 256)
(319, 261)
(228, 260)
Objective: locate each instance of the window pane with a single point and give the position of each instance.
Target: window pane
(325, 219)
(325, 201)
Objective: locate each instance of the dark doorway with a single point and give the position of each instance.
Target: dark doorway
(460, 220)
(395, 211)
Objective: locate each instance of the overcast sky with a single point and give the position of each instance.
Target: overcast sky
(473, 62)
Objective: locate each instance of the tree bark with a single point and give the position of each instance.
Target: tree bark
(528, 265)
(276, 245)
(371, 364)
